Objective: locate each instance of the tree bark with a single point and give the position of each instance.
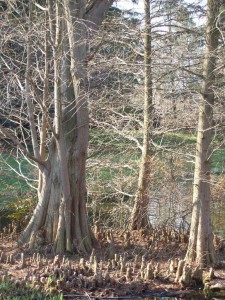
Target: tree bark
(61, 213)
(200, 248)
(140, 217)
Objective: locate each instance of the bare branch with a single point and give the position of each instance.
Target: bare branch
(17, 143)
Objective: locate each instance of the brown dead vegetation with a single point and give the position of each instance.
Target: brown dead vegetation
(124, 263)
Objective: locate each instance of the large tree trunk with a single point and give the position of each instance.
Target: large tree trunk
(61, 211)
(200, 248)
(140, 217)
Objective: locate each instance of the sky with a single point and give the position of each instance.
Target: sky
(127, 4)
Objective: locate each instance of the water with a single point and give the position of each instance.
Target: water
(169, 298)
(196, 297)
(199, 297)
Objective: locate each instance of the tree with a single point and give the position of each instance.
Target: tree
(200, 248)
(61, 210)
(140, 216)
(120, 61)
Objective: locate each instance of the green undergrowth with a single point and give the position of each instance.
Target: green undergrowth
(177, 138)
(113, 167)
(113, 157)
(12, 291)
(218, 161)
(16, 211)
(183, 144)
(13, 186)
(16, 199)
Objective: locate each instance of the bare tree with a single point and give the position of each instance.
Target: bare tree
(140, 211)
(61, 209)
(200, 248)
(119, 111)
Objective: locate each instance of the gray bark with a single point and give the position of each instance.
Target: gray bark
(200, 248)
(61, 211)
(140, 211)
(96, 12)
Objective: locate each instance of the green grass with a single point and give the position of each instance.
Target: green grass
(114, 166)
(113, 158)
(218, 161)
(13, 291)
(12, 186)
(218, 217)
(176, 138)
(185, 143)
(111, 150)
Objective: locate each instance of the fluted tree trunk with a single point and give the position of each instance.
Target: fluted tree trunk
(200, 249)
(140, 217)
(61, 214)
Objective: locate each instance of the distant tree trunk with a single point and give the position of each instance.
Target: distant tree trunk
(172, 77)
(140, 217)
(61, 210)
(200, 248)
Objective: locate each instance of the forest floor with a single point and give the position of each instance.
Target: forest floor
(120, 266)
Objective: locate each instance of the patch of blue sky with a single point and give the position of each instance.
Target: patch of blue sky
(139, 8)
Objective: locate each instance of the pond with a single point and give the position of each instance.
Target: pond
(199, 297)
(172, 298)
(169, 298)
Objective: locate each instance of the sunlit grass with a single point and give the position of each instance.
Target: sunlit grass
(13, 186)
(116, 157)
(17, 291)
(181, 137)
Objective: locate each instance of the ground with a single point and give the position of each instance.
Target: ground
(124, 263)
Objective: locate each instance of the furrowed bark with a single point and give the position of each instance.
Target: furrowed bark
(61, 214)
(200, 249)
(140, 217)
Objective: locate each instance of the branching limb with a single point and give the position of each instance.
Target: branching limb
(17, 143)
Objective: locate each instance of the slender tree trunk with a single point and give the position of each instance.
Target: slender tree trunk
(61, 211)
(200, 248)
(43, 135)
(30, 107)
(140, 217)
(172, 77)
